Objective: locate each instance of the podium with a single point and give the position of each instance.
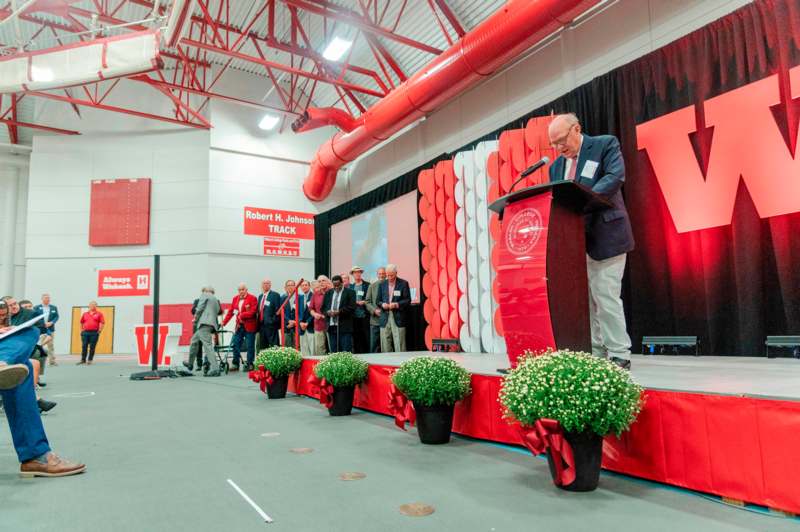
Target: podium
(543, 290)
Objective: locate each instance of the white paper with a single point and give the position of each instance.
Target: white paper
(22, 326)
(396, 293)
(589, 169)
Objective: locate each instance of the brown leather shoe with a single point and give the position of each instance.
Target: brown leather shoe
(54, 467)
(12, 375)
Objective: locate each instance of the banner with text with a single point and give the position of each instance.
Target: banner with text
(281, 247)
(113, 283)
(277, 223)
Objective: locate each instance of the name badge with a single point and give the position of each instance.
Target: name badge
(396, 293)
(268, 303)
(589, 169)
(360, 293)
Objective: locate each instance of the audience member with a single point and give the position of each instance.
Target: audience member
(245, 306)
(92, 323)
(20, 405)
(290, 315)
(47, 327)
(320, 324)
(268, 321)
(205, 324)
(306, 319)
(394, 296)
(375, 311)
(345, 279)
(338, 307)
(361, 315)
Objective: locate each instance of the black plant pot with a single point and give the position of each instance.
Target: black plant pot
(277, 390)
(587, 450)
(342, 401)
(434, 423)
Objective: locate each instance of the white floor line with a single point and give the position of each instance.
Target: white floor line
(261, 512)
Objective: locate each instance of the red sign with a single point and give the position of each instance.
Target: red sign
(276, 223)
(281, 247)
(112, 283)
(144, 344)
(119, 213)
(752, 149)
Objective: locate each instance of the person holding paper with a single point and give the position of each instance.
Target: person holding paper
(20, 405)
(11, 375)
(596, 162)
(394, 297)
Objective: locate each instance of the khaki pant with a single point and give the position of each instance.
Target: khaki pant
(46, 341)
(393, 338)
(320, 348)
(307, 342)
(203, 338)
(607, 318)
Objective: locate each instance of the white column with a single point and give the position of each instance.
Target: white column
(9, 178)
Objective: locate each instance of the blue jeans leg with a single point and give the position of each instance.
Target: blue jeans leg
(236, 345)
(22, 412)
(250, 338)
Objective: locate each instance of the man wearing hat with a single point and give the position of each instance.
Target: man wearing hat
(361, 316)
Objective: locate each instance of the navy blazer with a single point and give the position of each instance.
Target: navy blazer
(52, 318)
(269, 319)
(403, 300)
(608, 231)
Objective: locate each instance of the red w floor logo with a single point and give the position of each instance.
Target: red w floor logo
(743, 139)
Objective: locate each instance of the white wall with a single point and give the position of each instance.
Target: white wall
(625, 31)
(8, 175)
(59, 258)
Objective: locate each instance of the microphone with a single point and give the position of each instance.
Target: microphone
(528, 171)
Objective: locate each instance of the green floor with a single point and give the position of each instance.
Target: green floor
(159, 455)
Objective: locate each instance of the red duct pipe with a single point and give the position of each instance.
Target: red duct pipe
(502, 37)
(327, 116)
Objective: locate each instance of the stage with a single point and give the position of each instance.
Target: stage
(721, 425)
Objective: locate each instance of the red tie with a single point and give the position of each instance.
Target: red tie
(261, 310)
(573, 169)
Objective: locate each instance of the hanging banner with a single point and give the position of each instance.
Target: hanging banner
(281, 247)
(277, 223)
(116, 283)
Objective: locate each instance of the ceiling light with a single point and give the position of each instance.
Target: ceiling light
(41, 74)
(269, 122)
(336, 49)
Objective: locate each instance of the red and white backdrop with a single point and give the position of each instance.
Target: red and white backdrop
(713, 190)
(459, 234)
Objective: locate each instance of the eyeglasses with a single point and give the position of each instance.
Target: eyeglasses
(563, 140)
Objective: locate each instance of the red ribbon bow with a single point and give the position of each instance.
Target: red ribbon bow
(325, 390)
(401, 408)
(547, 433)
(262, 376)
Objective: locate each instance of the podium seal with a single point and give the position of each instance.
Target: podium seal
(524, 230)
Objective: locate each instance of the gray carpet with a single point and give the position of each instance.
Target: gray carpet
(159, 455)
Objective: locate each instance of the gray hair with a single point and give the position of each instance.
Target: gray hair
(208, 289)
(391, 267)
(322, 278)
(569, 118)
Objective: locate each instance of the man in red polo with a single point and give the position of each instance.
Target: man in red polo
(244, 306)
(92, 323)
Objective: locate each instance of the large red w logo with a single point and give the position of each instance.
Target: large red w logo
(747, 144)
(144, 344)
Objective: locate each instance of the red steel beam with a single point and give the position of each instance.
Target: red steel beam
(112, 108)
(451, 17)
(142, 78)
(351, 18)
(17, 123)
(13, 133)
(285, 68)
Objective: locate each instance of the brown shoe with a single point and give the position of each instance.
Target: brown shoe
(90, 362)
(12, 376)
(54, 467)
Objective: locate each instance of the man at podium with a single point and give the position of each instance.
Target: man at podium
(596, 162)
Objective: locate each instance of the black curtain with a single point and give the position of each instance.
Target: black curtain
(731, 285)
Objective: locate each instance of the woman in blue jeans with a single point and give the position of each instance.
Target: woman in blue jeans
(22, 411)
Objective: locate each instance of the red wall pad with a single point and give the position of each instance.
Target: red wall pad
(119, 213)
(737, 447)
